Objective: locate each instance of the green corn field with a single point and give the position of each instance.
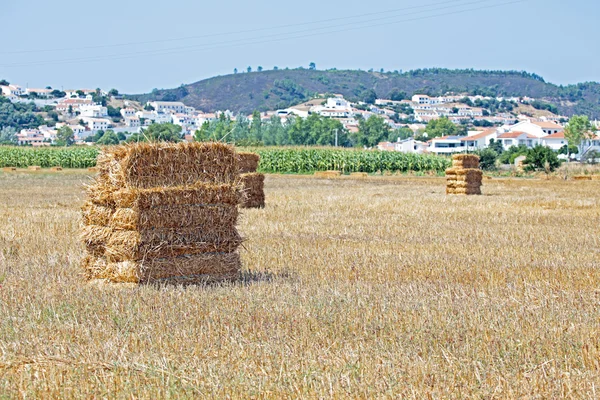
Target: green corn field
(306, 160)
(298, 160)
(66, 157)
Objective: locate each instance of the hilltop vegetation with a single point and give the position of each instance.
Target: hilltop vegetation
(268, 90)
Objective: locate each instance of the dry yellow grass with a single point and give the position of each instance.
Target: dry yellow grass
(382, 287)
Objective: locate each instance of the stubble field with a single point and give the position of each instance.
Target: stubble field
(381, 287)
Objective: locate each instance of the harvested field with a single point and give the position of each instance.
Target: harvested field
(345, 294)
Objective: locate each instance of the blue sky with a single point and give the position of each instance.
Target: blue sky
(136, 46)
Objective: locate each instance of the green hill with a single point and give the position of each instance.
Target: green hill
(268, 90)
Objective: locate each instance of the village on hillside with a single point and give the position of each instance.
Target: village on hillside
(485, 120)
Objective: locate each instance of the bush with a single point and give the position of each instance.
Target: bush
(541, 158)
(487, 159)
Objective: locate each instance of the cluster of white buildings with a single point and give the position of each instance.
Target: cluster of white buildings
(529, 133)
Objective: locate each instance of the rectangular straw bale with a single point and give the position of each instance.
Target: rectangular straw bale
(254, 190)
(582, 178)
(198, 194)
(34, 168)
(93, 214)
(175, 216)
(95, 238)
(465, 161)
(147, 165)
(201, 268)
(463, 191)
(56, 169)
(459, 184)
(159, 243)
(248, 162)
(327, 174)
(9, 169)
(359, 175)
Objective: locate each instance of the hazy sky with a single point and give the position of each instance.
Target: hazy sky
(135, 45)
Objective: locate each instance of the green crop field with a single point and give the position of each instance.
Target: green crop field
(297, 160)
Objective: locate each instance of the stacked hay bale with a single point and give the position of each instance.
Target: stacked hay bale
(464, 177)
(252, 182)
(163, 213)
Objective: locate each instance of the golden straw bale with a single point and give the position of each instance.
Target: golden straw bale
(9, 169)
(176, 216)
(464, 191)
(147, 165)
(56, 169)
(254, 190)
(327, 174)
(199, 194)
(93, 214)
(93, 169)
(189, 269)
(582, 178)
(34, 168)
(160, 242)
(459, 184)
(359, 175)
(465, 161)
(595, 177)
(248, 162)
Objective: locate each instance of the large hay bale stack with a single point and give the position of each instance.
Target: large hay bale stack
(163, 213)
(464, 177)
(34, 168)
(9, 169)
(253, 183)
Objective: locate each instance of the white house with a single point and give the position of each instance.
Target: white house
(480, 140)
(93, 110)
(537, 129)
(72, 104)
(447, 145)
(96, 124)
(335, 113)
(510, 139)
(39, 92)
(174, 107)
(555, 141)
(14, 90)
(132, 122)
(421, 99)
(30, 137)
(128, 112)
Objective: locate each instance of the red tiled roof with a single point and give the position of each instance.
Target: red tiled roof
(557, 135)
(511, 135)
(481, 135)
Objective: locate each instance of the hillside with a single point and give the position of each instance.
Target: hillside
(268, 90)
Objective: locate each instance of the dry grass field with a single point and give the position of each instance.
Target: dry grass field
(362, 288)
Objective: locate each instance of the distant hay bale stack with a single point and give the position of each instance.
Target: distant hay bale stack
(9, 169)
(163, 213)
(328, 174)
(253, 183)
(56, 169)
(254, 190)
(463, 180)
(359, 175)
(34, 168)
(582, 178)
(595, 177)
(248, 162)
(92, 169)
